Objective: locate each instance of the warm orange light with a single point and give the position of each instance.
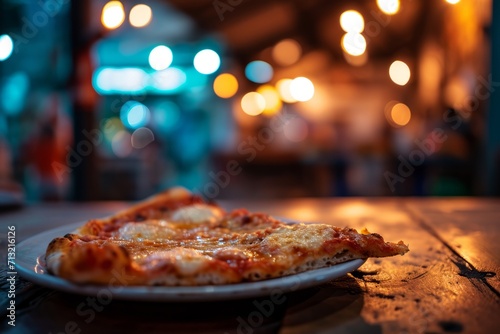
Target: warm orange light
(272, 99)
(140, 15)
(283, 87)
(389, 7)
(352, 21)
(453, 2)
(225, 85)
(354, 44)
(456, 92)
(113, 15)
(253, 103)
(400, 114)
(400, 73)
(302, 89)
(286, 52)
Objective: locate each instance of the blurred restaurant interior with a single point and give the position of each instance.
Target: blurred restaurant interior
(117, 100)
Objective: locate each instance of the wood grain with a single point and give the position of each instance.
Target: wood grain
(470, 227)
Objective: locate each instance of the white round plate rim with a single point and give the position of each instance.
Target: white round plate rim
(31, 250)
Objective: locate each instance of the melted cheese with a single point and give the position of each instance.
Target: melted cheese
(197, 213)
(185, 220)
(289, 238)
(149, 230)
(187, 261)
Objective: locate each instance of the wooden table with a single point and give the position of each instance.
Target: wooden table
(448, 282)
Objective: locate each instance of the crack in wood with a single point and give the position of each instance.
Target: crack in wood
(466, 268)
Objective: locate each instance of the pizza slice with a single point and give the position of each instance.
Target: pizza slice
(177, 239)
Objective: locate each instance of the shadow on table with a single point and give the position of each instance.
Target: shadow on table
(333, 306)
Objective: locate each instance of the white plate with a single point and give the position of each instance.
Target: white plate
(30, 255)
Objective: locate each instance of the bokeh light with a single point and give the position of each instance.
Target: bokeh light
(121, 144)
(140, 15)
(253, 103)
(352, 21)
(225, 85)
(168, 79)
(389, 7)
(453, 2)
(13, 94)
(259, 71)
(142, 137)
(111, 126)
(113, 80)
(400, 114)
(354, 44)
(160, 57)
(271, 98)
(134, 114)
(6, 47)
(287, 52)
(206, 61)
(112, 15)
(283, 87)
(399, 72)
(457, 92)
(302, 89)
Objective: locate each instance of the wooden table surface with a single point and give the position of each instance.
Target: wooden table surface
(449, 281)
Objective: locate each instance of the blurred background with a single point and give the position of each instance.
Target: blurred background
(105, 100)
